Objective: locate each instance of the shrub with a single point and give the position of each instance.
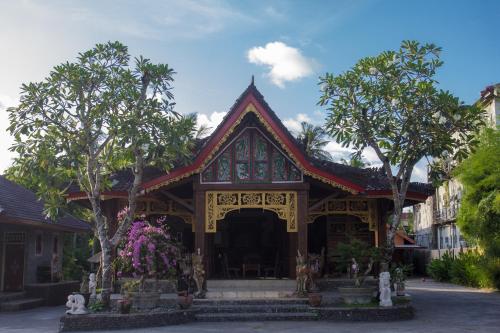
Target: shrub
(440, 269)
(471, 268)
(493, 269)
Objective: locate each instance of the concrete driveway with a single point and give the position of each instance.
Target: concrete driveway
(439, 307)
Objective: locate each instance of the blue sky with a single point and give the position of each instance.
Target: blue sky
(215, 46)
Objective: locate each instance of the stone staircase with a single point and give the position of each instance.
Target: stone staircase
(244, 289)
(255, 309)
(18, 301)
(252, 300)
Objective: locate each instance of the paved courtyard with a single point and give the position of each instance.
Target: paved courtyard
(439, 308)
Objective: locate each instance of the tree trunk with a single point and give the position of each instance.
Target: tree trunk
(106, 272)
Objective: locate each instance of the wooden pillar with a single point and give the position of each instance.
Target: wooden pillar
(302, 208)
(199, 221)
(383, 214)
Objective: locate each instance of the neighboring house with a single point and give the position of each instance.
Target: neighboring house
(435, 220)
(31, 246)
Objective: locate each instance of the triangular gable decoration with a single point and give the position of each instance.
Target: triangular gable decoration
(251, 157)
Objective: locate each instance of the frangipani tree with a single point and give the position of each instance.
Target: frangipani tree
(392, 104)
(94, 116)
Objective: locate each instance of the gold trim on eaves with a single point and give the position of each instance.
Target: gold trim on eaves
(251, 108)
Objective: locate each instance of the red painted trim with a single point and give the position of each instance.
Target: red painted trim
(409, 194)
(217, 137)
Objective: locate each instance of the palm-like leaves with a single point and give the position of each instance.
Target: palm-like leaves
(313, 140)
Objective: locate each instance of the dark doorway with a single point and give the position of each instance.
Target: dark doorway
(14, 267)
(250, 243)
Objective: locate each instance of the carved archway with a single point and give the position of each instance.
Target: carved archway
(365, 210)
(219, 203)
(167, 207)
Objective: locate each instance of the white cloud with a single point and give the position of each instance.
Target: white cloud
(293, 124)
(211, 121)
(285, 63)
(5, 138)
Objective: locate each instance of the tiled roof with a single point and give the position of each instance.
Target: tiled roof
(369, 179)
(19, 203)
(122, 180)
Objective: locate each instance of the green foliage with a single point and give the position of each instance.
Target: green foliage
(93, 116)
(359, 250)
(313, 140)
(76, 251)
(440, 269)
(97, 306)
(400, 272)
(131, 286)
(470, 268)
(391, 103)
(479, 214)
(355, 161)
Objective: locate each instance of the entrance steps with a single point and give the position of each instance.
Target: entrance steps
(17, 301)
(213, 310)
(249, 289)
(21, 304)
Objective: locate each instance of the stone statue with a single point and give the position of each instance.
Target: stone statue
(92, 285)
(76, 305)
(302, 273)
(316, 263)
(54, 268)
(84, 286)
(384, 283)
(198, 274)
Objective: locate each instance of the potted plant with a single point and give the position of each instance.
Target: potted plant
(314, 299)
(184, 299)
(125, 304)
(399, 276)
(359, 259)
(148, 252)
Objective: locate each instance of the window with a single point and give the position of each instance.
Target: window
(55, 246)
(38, 244)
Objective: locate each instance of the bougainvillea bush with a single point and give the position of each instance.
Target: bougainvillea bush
(148, 251)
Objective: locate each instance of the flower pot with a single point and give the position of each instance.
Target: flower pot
(185, 301)
(400, 289)
(359, 295)
(125, 306)
(314, 299)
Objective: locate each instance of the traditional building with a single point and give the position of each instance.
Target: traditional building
(31, 245)
(252, 197)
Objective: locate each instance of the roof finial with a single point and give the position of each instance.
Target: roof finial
(252, 83)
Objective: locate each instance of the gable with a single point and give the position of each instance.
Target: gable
(251, 157)
(251, 101)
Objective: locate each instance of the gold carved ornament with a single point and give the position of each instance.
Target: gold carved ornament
(168, 207)
(365, 210)
(219, 203)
